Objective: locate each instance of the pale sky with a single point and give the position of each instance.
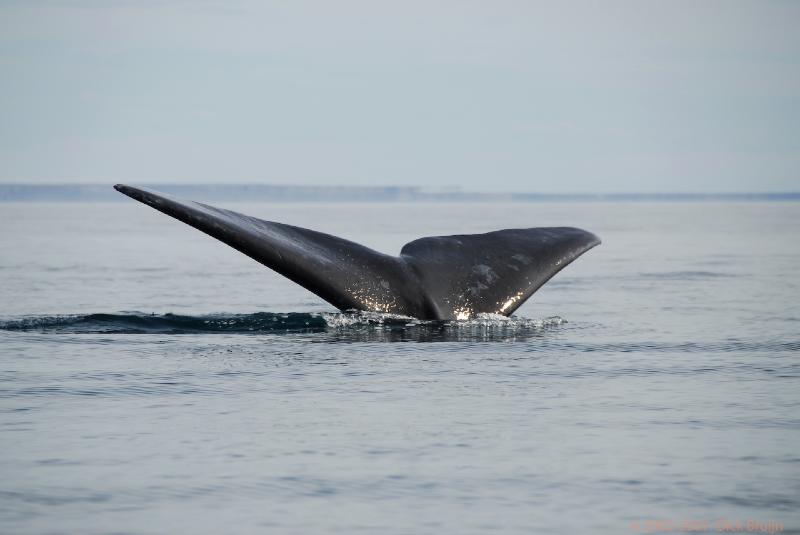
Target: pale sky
(488, 96)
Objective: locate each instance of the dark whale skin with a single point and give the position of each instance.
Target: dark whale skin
(434, 278)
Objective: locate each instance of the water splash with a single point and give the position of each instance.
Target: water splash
(373, 326)
(341, 325)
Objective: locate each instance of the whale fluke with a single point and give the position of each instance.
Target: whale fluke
(443, 277)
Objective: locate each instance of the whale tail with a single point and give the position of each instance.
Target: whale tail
(443, 277)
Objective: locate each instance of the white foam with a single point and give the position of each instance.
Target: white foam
(489, 320)
(345, 320)
(354, 319)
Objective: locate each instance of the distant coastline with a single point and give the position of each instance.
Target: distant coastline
(289, 193)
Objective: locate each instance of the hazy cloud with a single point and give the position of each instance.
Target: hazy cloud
(575, 96)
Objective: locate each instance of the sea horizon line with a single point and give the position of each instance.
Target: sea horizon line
(271, 192)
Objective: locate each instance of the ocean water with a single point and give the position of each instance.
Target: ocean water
(152, 380)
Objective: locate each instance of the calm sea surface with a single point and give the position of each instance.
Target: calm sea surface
(152, 380)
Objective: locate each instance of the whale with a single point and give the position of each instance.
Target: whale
(454, 277)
